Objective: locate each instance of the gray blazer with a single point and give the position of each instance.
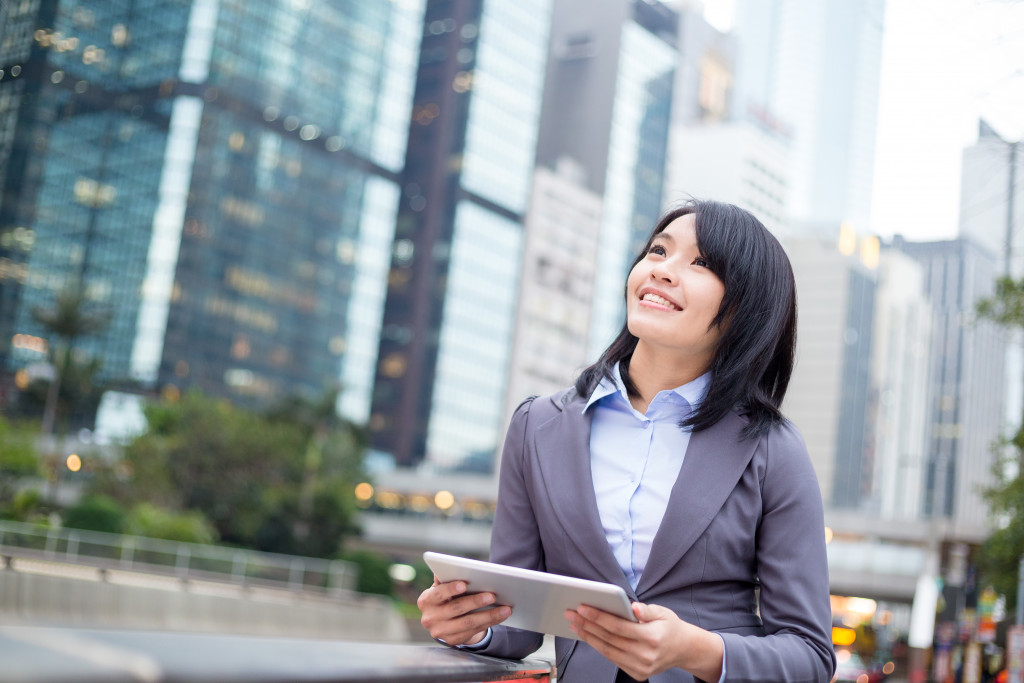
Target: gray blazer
(743, 515)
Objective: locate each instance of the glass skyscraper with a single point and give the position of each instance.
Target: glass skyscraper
(220, 175)
(451, 301)
(607, 106)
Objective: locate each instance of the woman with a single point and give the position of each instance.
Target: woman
(669, 470)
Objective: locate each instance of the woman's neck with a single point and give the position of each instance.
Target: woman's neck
(652, 372)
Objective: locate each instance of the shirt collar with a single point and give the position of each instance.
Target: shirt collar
(692, 392)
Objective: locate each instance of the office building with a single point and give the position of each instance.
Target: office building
(816, 67)
(829, 392)
(555, 291)
(992, 198)
(967, 380)
(208, 172)
(713, 153)
(454, 274)
(607, 107)
(991, 206)
(898, 401)
(739, 162)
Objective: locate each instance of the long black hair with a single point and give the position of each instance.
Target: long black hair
(754, 358)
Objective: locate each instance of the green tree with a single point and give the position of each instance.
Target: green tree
(332, 465)
(148, 520)
(1000, 554)
(66, 321)
(248, 474)
(96, 512)
(19, 462)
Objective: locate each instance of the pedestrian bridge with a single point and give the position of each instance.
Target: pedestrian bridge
(868, 556)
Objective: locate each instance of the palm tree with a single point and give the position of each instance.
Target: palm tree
(68, 320)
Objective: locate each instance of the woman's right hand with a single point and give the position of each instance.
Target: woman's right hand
(448, 613)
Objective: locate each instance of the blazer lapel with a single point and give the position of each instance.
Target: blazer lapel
(563, 450)
(714, 462)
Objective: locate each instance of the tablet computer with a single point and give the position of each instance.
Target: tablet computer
(538, 599)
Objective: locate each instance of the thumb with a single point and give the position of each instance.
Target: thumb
(645, 613)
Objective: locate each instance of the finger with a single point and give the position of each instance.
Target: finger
(465, 604)
(439, 594)
(463, 628)
(610, 651)
(443, 592)
(608, 625)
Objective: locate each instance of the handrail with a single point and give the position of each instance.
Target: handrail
(176, 558)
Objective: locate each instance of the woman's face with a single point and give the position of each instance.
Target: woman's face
(672, 296)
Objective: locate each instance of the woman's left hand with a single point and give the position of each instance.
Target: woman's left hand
(660, 641)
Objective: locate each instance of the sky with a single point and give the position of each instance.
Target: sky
(945, 63)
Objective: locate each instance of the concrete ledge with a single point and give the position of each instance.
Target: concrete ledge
(46, 598)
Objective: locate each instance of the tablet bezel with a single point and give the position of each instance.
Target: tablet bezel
(538, 599)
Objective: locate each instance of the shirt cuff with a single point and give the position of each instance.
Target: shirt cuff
(484, 642)
(722, 678)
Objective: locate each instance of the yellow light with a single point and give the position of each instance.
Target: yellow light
(364, 491)
(21, 380)
(74, 462)
(888, 668)
(828, 535)
(870, 248)
(843, 636)
(444, 500)
(847, 239)
(862, 606)
(863, 678)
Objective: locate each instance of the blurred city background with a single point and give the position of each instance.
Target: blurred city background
(274, 274)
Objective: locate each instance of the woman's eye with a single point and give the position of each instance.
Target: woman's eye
(656, 249)
(700, 261)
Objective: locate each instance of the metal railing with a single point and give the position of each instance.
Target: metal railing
(186, 561)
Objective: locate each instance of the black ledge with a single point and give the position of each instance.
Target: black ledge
(47, 654)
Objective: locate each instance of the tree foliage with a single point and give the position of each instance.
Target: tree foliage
(69, 319)
(19, 462)
(251, 476)
(1000, 554)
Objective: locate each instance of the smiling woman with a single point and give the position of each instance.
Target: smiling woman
(669, 471)
(672, 302)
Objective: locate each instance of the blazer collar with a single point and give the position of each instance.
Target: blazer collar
(715, 461)
(563, 446)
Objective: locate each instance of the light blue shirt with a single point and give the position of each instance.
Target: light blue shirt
(635, 460)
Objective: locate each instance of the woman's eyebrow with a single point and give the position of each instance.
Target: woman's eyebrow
(664, 235)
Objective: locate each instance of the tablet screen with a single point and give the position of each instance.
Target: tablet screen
(538, 599)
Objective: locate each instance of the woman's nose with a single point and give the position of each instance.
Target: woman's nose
(661, 272)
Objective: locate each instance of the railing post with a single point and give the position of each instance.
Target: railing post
(183, 559)
(238, 569)
(298, 568)
(71, 551)
(128, 548)
(51, 543)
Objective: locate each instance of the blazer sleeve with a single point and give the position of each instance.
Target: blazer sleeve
(515, 538)
(792, 570)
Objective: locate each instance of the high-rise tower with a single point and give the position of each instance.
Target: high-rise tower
(208, 171)
(816, 66)
(451, 297)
